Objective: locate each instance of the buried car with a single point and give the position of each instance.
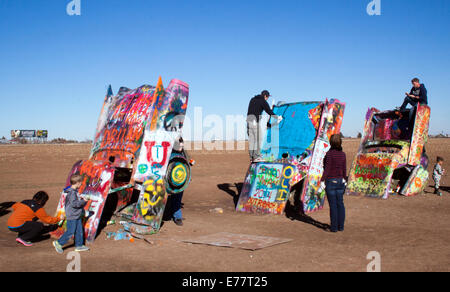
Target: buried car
(391, 158)
(293, 153)
(137, 159)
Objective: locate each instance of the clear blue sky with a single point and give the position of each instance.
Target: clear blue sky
(55, 68)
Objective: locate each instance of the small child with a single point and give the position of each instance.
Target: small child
(437, 174)
(74, 211)
(23, 219)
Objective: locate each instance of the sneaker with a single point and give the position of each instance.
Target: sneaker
(178, 222)
(24, 242)
(58, 247)
(82, 248)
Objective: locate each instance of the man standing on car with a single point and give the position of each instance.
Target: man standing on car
(257, 105)
(418, 94)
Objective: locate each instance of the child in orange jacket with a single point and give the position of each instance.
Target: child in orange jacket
(24, 218)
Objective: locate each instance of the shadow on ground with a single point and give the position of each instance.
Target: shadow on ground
(233, 190)
(431, 190)
(4, 208)
(294, 213)
(445, 189)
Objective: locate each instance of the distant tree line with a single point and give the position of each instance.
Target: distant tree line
(442, 135)
(53, 141)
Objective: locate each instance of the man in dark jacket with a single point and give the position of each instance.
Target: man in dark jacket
(257, 105)
(418, 94)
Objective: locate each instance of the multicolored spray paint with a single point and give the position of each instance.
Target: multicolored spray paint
(97, 184)
(266, 188)
(381, 158)
(331, 122)
(132, 149)
(420, 135)
(294, 150)
(416, 182)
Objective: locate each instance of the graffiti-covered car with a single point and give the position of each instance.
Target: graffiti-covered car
(391, 158)
(137, 159)
(293, 153)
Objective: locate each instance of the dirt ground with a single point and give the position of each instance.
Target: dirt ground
(411, 234)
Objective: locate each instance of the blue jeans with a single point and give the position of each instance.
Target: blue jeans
(74, 227)
(175, 202)
(409, 100)
(335, 189)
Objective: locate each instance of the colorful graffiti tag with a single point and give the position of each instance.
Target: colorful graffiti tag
(372, 175)
(96, 183)
(267, 187)
(152, 167)
(155, 154)
(416, 182)
(380, 156)
(159, 140)
(331, 122)
(132, 149)
(368, 127)
(420, 134)
(300, 141)
(150, 207)
(121, 123)
(311, 197)
(298, 125)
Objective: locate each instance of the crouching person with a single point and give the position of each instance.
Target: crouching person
(25, 216)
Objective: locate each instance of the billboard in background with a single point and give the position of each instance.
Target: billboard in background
(15, 134)
(42, 133)
(29, 134)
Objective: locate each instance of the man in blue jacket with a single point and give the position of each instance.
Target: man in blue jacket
(417, 95)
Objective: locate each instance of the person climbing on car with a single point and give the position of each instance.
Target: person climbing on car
(417, 95)
(257, 105)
